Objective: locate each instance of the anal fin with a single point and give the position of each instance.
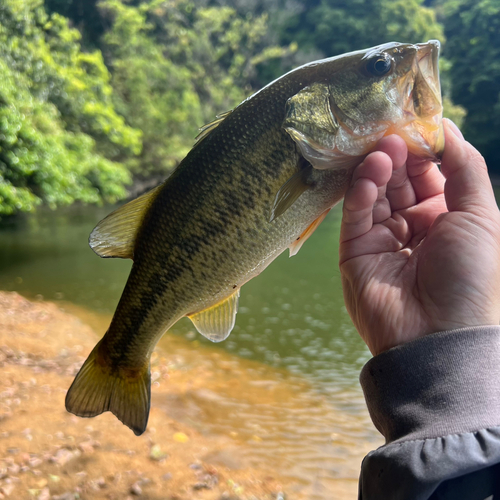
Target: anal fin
(216, 322)
(297, 244)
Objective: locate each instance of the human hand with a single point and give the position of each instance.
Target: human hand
(420, 249)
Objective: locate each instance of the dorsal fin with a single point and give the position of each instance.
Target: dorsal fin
(115, 235)
(206, 129)
(216, 322)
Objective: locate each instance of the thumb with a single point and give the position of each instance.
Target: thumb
(468, 187)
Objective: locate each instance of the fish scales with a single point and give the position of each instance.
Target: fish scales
(236, 179)
(257, 181)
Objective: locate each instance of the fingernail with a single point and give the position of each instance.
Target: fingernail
(454, 129)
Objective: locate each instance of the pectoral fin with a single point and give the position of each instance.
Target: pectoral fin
(115, 235)
(290, 192)
(297, 244)
(216, 322)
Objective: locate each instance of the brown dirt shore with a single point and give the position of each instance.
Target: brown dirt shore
(47, 453)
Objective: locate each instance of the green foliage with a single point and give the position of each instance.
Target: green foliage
(473, 32)
(337, 26)
(152, 92)
(175, 66)
(80, 110)
(82, 14)
(58, 127)
(40, 160)
(454, 112)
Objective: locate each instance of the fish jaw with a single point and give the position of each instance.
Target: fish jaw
(363, 108)
(422, 127)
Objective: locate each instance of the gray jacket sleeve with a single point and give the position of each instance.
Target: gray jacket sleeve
(436, 400)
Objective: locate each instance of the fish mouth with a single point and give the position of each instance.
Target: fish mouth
(424, 108)
(428, 65)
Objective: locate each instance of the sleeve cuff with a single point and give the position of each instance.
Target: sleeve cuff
(443, 383)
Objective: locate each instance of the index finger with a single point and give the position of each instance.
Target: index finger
(359, 200)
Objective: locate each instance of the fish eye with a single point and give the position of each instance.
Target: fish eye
(379, 65)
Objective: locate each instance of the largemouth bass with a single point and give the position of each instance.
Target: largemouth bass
(259, 179)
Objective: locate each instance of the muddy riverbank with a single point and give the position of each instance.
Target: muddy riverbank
(46, 453)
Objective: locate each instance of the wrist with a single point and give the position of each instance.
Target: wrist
(380, 339)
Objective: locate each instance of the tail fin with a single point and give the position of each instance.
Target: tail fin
(98, 388)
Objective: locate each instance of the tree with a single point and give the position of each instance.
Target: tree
(175, 66)
(83, 15)
(337, 26)
(59, 131)
(473, 31)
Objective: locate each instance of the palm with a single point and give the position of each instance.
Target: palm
(409, 266)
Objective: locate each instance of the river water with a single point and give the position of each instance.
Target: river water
(291, 320)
